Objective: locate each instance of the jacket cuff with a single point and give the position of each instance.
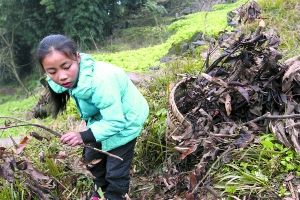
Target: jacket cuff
(87, 136)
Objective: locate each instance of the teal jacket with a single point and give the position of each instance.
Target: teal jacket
(106, 98)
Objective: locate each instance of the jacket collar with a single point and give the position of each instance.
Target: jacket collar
(84, 80)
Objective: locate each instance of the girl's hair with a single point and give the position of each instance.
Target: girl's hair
(64, 45)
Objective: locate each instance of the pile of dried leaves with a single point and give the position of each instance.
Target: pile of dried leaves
(23, 178)
(243, 92)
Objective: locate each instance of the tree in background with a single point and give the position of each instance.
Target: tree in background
(24, 22)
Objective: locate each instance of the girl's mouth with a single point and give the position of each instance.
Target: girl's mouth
(67, 85)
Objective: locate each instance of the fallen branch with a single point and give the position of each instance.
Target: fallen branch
(30, 124)
(54, 133)
(269, 116)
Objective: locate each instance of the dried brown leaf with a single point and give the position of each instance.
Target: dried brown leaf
(293, 133)
(292, 69)
(189, 196)
(185, 151)
(228, 104)
(79, 167)
(61, 155)
(94, 162)
(2, 151)
(215, 80)
(291, 61)
(22, 145)
(6, 172)
(289, 177)
(244, 140)
(34, 173)
(243, 92)
(192, 180)
(278, 129)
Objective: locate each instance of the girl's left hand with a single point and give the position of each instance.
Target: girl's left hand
(71, 139)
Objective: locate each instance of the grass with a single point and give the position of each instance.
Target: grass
(284, 17)
(209, 23)
(134, 38)
(17, 108)
(258, 171)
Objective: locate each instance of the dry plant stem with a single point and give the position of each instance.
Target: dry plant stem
(54, 133)
(292, 190)
(269, 116)
(14, 142)
(212, 191)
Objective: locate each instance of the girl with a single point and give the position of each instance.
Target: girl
(106, 99)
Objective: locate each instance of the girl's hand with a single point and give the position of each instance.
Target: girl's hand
(71, 139)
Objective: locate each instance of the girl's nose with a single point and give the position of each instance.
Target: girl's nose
(63, 76)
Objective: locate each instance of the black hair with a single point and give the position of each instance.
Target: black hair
(64, 45)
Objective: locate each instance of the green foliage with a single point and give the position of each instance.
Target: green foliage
(209, 23)
(152, 7)
(135, 37)
(53, 169)
(25, 22)
(14, 191)
(258, 170)
(5, 192)
(135, 60)
(285, 159)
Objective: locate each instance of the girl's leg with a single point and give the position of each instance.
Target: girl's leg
(99, 169)
(118, 172)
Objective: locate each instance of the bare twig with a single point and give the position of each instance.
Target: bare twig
(292, 190)
(212, 191)
(54, 133)
(269, 116)
(14, 142)
(31, 124)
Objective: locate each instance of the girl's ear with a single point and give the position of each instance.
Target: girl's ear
(78, 57)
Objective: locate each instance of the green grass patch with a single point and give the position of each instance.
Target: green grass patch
(210, 23)
(284, 17)
(134, 38)
(258, 171)
(19, 109)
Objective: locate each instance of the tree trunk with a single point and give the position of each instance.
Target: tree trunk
(14, 70)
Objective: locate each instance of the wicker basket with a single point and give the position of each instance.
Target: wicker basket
(176, 122)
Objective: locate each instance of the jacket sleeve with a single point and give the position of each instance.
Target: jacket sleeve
(107, 98)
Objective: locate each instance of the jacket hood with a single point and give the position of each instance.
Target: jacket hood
(84, 80)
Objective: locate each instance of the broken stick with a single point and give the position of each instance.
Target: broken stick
(25, 123)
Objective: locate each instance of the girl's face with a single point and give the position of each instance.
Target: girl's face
(61, 69)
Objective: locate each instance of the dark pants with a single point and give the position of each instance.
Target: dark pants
(112, 174)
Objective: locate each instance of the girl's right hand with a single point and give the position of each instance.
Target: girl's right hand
(71, 139)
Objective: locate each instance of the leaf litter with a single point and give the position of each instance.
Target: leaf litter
(53, 183)
(245, 91)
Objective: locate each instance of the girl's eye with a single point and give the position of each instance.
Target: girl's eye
(67, 66)
(51, 72)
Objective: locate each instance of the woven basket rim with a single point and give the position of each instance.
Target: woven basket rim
(173, 106)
